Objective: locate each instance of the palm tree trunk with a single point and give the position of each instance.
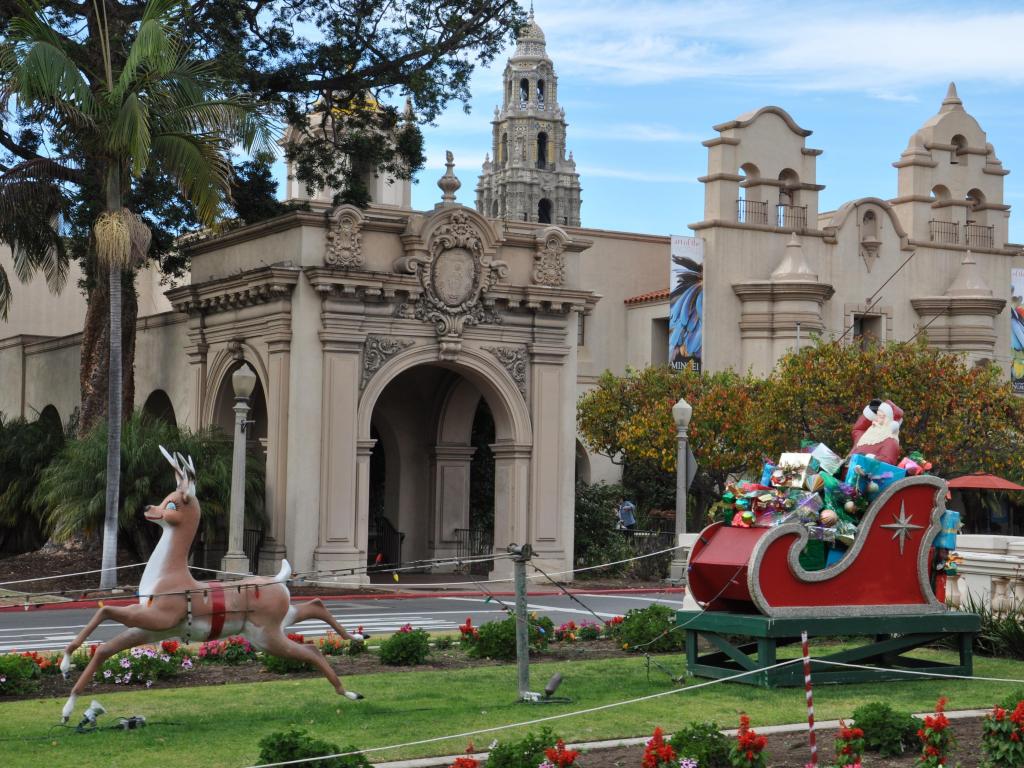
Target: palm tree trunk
(95, 351)
(108, 578)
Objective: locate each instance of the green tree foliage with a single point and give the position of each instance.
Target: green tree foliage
(70, 496)
(26, 448)
(296, 744)
(596, 540)
(962, 418)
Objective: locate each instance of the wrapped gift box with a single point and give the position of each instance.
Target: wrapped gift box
(864, 469)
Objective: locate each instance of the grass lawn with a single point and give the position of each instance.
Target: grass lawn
(221, 725)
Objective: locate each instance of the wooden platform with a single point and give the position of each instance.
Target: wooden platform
(751, 641)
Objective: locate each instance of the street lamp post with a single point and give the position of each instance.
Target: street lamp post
(243, 381)
(681, 413)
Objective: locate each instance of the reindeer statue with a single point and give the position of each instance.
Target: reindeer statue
(173, 604)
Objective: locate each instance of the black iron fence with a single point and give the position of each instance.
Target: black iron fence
(791, 216)
(475, 542)
(943, 231)
(384, 545)
(752, 212)
(979, 235)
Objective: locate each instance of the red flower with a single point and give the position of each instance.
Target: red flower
(465, 762)
(295, 637)
(560, 756)
(170, 646)
(657, 751)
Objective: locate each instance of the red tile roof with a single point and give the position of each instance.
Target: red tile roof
(650, 296)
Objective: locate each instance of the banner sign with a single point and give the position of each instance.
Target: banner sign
(1017, 329)
(686, 302)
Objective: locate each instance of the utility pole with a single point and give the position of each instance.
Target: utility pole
(520, 557)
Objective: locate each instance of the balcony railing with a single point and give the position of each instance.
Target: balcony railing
(752, 212)
(943, 231)
(791, 216)
(979, 235)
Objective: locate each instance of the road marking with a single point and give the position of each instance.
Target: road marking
(633, 597)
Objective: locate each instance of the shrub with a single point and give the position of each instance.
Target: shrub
(497, 639)
(140, 666)
(17, 675)
(1002, 738)
(284, 665)
(26, 449)
(849, 746)
(704, 742)
(590, 630)
(937, 741)
(524, 753)
(283, 746)
(406, 648)
(1001, 633)
(596, 540)
(885, 730)
(356, 647)
(443, 643)
(658, 754)
(49, 664)
(1010, 702)
(234, 650)
(71, 489)
(747, 751)
(650, 629)
(331, 644)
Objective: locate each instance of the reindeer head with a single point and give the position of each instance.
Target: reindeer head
(181, 505)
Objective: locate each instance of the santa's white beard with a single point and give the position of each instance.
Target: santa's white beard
(878, 433)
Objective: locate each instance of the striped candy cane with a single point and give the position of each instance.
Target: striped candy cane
(810, 700)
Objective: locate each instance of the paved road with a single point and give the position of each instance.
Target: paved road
(52, 629)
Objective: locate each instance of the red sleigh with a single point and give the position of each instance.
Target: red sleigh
(885, 572)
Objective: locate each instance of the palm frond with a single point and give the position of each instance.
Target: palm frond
(48, 75)
(130, 135)
(200, 168)
(5, 294)
(154, 48)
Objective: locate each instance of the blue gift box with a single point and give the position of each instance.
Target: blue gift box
(834, 555)
(950, 521)
(872, 470)
(766, 473)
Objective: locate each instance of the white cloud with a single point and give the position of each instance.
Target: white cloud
(881, 49)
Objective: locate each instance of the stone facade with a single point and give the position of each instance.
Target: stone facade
(932, 261)
(530, 178)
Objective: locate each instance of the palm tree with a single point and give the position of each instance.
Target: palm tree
(152, 105)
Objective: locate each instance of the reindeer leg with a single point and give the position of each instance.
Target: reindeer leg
(155, 619)
(127, 639)
(277, 644)
(315, 609)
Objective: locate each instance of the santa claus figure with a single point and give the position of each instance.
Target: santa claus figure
(877, 431)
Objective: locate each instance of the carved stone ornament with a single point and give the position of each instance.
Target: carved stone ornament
(869, 248)
(455, 275)
(345, 239)
(235, 350)
(549, 263)
(378, 350)
(514, 361)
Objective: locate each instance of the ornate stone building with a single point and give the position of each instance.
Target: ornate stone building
(530, 178)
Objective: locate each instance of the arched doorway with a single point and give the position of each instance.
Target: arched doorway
(449, 460)
(158, 406)
(211, 545)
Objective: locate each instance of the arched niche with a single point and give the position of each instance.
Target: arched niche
(158, 406)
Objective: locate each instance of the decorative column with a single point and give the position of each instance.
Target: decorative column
(451, 495)
(279, 372)
(344, 464)
(236, 562)
(511, 500)
(196, 354)
(681, 413)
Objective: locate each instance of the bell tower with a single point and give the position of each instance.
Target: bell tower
(530, 178)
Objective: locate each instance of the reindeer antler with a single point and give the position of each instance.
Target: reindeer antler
(184, 472)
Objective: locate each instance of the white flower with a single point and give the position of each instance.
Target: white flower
(149, 683)
(107, 673)
(165, 658)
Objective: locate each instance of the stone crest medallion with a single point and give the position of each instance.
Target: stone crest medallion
(454, 276)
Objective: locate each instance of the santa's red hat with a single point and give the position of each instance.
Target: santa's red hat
(891, 409)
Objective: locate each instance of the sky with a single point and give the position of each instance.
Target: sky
(643, 82)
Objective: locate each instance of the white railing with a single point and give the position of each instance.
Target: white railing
(992, 572)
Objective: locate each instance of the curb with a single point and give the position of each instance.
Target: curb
(767, 730)
(94, 602)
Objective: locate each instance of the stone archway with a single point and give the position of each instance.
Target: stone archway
(435, 404)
